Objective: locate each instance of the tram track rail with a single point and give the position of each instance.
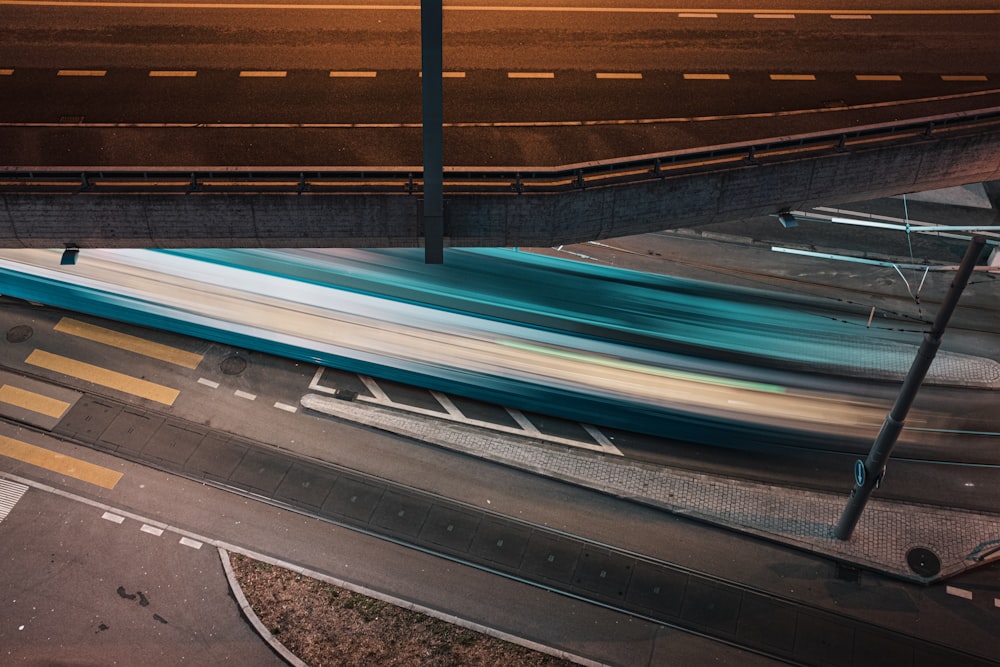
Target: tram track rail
(598, 573)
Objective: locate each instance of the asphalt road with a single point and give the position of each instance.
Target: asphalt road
(217, 518)
(280, 84)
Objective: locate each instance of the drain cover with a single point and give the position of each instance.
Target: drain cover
(19, 333)
(923, 561)
(233, 365)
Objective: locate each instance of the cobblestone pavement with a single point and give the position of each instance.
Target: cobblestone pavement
(887, 532)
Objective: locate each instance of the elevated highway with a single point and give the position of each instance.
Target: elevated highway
(276, 124)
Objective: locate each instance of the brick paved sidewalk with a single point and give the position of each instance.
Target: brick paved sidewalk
(886, 534)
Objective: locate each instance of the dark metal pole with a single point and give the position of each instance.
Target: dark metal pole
(868, 473)
(433, 134)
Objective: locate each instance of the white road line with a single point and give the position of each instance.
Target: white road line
(188, 542)
(774, 16)
(375, 390)
(152, 530)
(10, 493)
(618, 75)
(964, 77)
(173, 72)
(697, 15)
(851, 17)
(316, 386)
(958, 592)
(6, 72)
(878, 77)
(602, 440)
(793, 77)
(246, 395)
(531, 75)
(114, 518)
(81, 72)
(447, 404)
(263, 74)
(208, 383)
(523, 421)
(286, 407)
(342, 74)
(706, 77)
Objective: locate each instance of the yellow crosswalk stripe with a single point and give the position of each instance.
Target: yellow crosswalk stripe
(123, 341)
(103, 376)
(60, 463)
(29, 400)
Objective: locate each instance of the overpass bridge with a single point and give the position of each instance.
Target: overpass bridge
(493, 206)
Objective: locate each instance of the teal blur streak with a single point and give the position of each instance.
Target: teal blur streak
(641, 368)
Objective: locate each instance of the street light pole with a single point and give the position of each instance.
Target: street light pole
(868, 473)
(431, 39)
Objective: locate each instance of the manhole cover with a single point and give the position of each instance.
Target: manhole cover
(19, 333)
(233, 365)
(923, 561)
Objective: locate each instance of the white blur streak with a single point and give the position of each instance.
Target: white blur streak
(368, 328)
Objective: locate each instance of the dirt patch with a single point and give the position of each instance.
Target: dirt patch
(326, 625)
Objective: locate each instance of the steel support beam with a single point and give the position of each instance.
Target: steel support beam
(433, 133)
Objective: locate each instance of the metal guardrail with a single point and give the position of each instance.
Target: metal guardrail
(482, 180)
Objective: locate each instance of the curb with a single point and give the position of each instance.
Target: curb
(248, 611)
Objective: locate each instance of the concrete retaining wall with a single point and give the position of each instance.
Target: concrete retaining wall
(376, 220)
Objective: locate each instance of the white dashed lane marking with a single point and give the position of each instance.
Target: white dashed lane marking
(188, 542)
(208, 383)
(368, 74)
(246, 395)
(152, 530)
(286, 407)
(774, 16)
(697, 15)
(958, 592)
(851, 17)
(113, 518)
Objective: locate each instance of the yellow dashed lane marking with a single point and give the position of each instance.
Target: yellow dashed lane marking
(6, 72)
(173, 72)
(122, 341)
(263, 74)
(793, 77)
(103, 377)
(81, 72)
(29, 400)
(354, 75)
(618, 75)
(531, 75)
(774, 16)
(697, 15)
(60, 463)
(878, 77)
(707, 77)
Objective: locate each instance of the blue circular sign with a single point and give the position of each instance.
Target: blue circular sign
(859, 472)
